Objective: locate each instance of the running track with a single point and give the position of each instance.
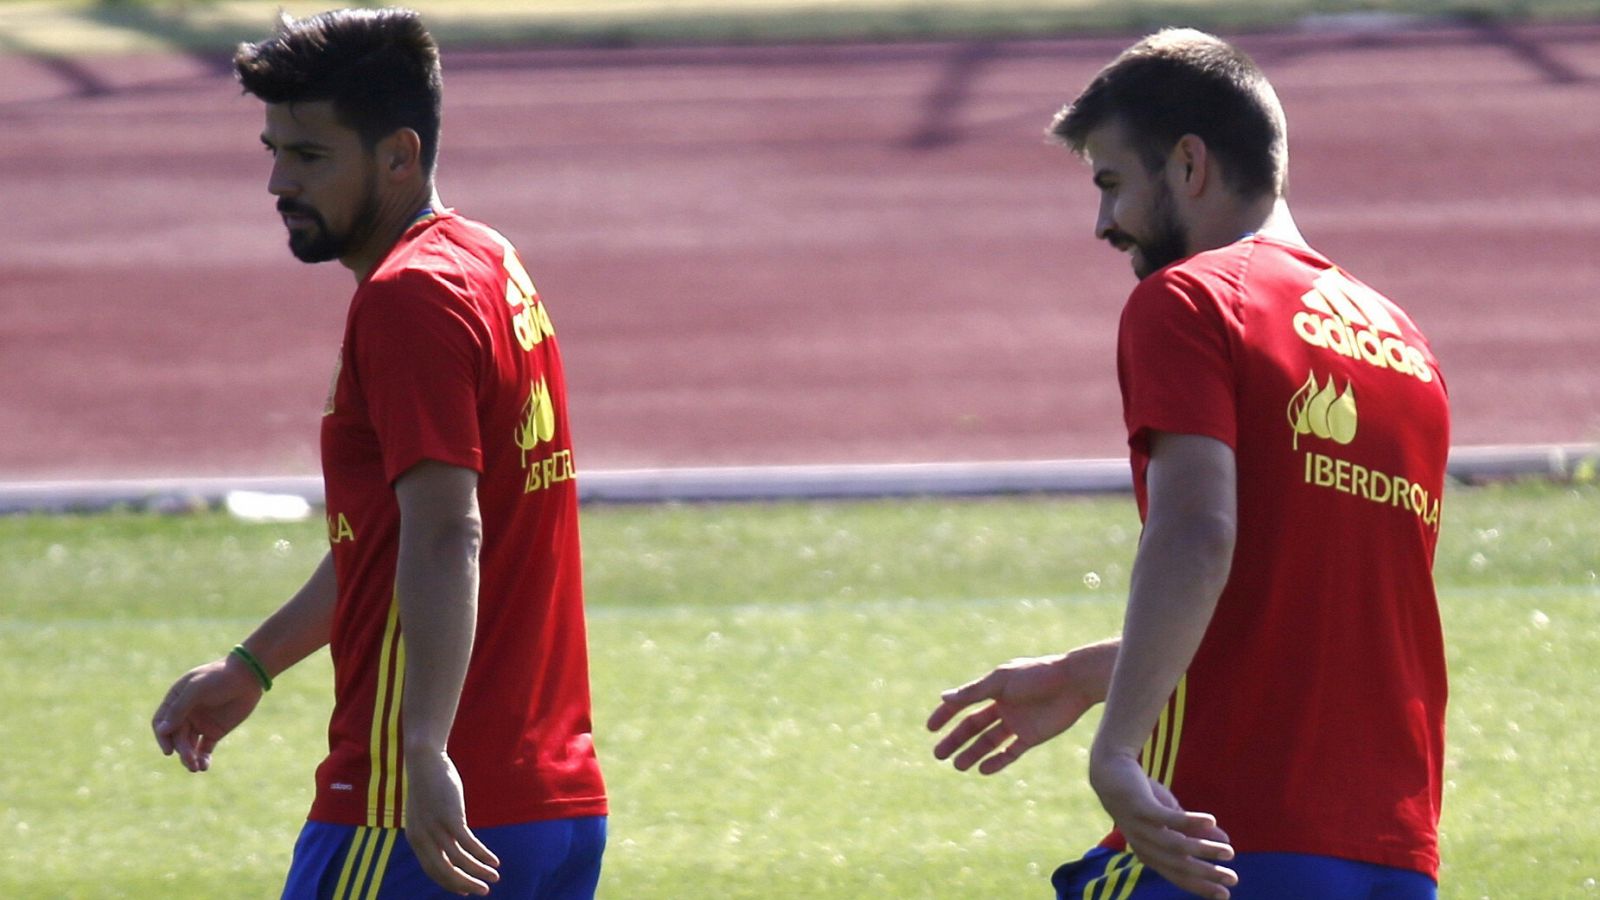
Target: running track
(776, 255)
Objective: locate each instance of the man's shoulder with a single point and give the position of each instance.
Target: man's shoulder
(451, 252)
(454, 236)
(1234, 273)
(1199, 280)
(1236, 262)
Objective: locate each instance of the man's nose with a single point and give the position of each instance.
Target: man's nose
(1104, 223)
(279, 184)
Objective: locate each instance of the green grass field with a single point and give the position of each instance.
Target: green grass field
(761, 677)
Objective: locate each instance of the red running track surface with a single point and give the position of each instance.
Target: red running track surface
(779, 254)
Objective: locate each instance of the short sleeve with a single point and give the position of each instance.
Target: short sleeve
(1175, 363)
(418, 359)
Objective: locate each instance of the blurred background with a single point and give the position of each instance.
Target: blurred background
(772, 231)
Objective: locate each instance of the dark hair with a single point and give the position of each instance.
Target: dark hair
(379, 67)
(1180, 81)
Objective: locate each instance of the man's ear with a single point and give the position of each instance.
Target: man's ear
(400, 154)
(1188, 165)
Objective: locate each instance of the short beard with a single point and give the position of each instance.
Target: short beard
(1168, 241)
(320, 244)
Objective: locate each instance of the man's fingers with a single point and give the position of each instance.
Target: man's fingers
(1197, 876)
(469, 855)
(969, 728)
(1204, 825)
(183, 743)
(987, 743)
(1213, 883)
(1200, 849)
(1184, 847)
(162, 722)
(436, 860)
(457, 861)
(471, 865)
(163, 730)
(1156, 808)
(1191, 863)
(942, 714)
(957, 699)
(1206, 879)
(448, 876)
(984, 688)
(479, 851)
(1010, 754)
(203, 749)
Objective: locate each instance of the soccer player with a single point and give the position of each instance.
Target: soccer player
(451, 599)
(1274, 706)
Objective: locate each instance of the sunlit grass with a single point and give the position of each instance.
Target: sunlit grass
(761, 676)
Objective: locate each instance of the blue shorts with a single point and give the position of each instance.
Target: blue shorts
(1109, 875)
(554, 860)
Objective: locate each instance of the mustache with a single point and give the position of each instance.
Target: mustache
(1120, 240)
(289, 207)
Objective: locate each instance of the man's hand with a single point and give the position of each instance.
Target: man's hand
(1034, 700)
(1182, 847)
(201, 709)
(436, 827)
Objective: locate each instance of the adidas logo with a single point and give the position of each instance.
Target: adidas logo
(1351, 320)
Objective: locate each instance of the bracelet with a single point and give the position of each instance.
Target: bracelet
(255, 666)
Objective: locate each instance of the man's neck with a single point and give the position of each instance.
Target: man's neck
(395, 215)
(1267, 217)
(1280, 225)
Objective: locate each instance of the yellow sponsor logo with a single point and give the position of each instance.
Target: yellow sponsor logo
(529, 321)
(1351, 320)
(339, 529)
(539, 427)
(1323, 411)
(1393, 491)
(550, 471)
(538, 419)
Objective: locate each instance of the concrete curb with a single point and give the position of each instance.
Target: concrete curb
(1470, 465)
(1083, 476)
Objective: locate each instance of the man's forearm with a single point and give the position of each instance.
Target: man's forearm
(300, 627)
(1182, 566)
(1177, 578)
(437, 586)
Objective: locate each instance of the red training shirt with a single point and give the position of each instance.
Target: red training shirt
(448, 355)
(1312, 717)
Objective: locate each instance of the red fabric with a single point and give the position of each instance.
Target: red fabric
(1312, 717)
(447, 356)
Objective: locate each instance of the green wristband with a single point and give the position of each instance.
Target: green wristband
(255, 666)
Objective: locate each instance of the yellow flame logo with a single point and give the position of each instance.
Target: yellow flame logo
(538, 419)
(1323, 411)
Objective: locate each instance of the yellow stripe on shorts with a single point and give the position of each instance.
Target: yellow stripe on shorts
(365, 863)
(1106, 887)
